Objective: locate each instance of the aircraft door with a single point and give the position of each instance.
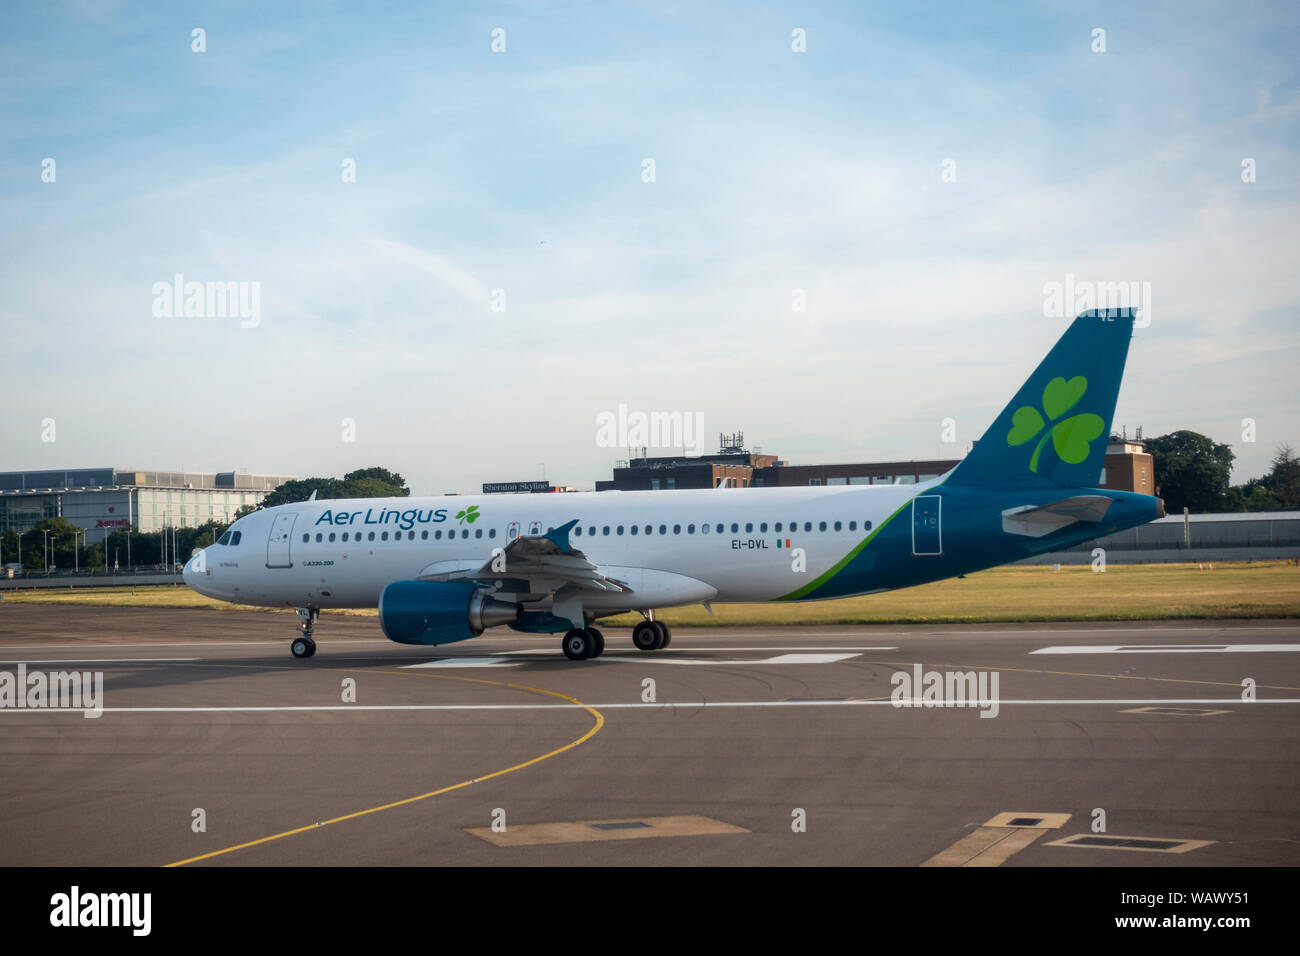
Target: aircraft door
(927, 531)
(277, 547)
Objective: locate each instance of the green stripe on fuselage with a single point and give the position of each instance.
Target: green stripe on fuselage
(811, 586)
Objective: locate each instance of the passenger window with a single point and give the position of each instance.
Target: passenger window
(492, 532)
(634, 529)
(762, 528)
(578, 531)
(620, 529)
(331, 537)
(778, 526)
(663, 529)
(319, 537)
(649, 529)
(437, 535)
(853, 526)
(465, 533)
(591, 530)
(677, 529)
(866, 526)
(690, 529)
(424, 535)
(734, 527)
(704, 528)
(384, 536)
(807, 525)
(605, 530)
(478, 532)
(837, 526)
(719, 528)
(372, 536)
(821, 526)
(749, 527)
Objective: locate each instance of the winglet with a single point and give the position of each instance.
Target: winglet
(560, 536)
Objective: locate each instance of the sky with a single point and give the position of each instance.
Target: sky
(462, 261)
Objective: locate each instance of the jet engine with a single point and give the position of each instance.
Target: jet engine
(440, 612)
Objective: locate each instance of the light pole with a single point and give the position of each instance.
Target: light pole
(76, 553)
(46, 542)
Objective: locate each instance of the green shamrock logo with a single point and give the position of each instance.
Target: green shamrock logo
(469, 514)
(1071, 437)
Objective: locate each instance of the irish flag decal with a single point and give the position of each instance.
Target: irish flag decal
(783, 542)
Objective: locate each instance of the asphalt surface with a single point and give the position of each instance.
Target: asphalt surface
(751, 746)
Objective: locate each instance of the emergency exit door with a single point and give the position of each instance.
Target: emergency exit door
(927, 529)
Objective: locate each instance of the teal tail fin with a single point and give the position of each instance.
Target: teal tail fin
(1057, 427)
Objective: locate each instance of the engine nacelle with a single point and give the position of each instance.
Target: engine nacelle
(440, 612)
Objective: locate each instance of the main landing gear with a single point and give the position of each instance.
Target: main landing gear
(582, 643)
(651, 635)
(304, 646)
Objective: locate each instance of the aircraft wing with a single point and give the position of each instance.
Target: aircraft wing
(542, 563)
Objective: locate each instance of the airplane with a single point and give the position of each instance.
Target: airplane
(445, 569)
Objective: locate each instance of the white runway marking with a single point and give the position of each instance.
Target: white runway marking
(104, 660)
(706, 662)
(468, 662)
(645, 659)
(96, 647)
(542, 651)
(1165, 702)
(1169, 649)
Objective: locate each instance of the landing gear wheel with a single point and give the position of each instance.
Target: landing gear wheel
(303, 647)
(599, 638)
(578, 644)
(668, 634)
(646, 636)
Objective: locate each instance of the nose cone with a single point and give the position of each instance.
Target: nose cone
(195, 569)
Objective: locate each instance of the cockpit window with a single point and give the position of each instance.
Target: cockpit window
(224, 539)
(234, 540)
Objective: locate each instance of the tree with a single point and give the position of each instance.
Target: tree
(363, 483)
(1284, 480)
(8, 547)
(1278, 490)
(1193, 471)
(384, 476)
(300, 490)
(62, 539)
(1252, 496)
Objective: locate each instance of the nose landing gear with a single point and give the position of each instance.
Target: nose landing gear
(304, 646)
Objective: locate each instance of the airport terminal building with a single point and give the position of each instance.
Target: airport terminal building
(103, 500)
(1128, 467)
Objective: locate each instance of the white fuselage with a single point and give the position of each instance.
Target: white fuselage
(672, 547)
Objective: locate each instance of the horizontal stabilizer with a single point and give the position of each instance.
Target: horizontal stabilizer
(1035, 521)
